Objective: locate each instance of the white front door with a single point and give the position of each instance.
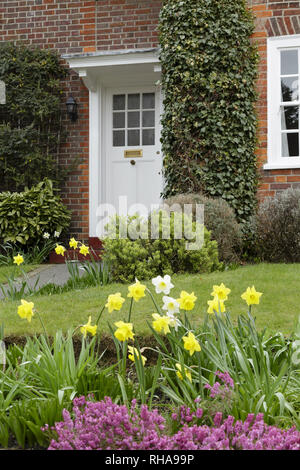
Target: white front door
(132, 147)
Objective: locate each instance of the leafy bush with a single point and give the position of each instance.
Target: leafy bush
(209, 66)
(30, 121)
(219, 219)
(278, 227)
(26, 216)
(106, 425)
(35, 254)
(146, 256)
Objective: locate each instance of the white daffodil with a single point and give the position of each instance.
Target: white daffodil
(162, 284)
(57, 234)
(171, 305)
(46, 235)
(174, 323)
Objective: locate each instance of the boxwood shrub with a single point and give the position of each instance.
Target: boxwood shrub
(146, 257)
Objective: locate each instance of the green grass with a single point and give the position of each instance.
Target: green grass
(278, 309)
(7, 271)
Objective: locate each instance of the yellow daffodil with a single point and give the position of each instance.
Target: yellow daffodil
(137, 291)
(60, 250)
(124, 331)
(187, 373)
(18, 259)
(251, 296)
(191, 344)
(221, 292)
(161, 323)
(215, 305)
(73, 243)
(25, 310)
(187, 301)
(88, 328)
(131, 355)
(114, 302)
(84, 250)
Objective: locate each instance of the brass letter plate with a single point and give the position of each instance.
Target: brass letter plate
(133, 153)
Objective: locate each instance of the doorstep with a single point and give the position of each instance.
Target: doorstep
(96, 248)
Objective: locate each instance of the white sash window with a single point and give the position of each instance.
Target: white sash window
(283, 102)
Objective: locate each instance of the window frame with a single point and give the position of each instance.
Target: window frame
(140, 128)
(274, 46)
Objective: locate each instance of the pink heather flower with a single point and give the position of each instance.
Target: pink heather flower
(106, 425)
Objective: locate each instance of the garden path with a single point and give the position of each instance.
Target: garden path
(50, 273)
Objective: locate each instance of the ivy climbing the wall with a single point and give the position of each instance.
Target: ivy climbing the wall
(30, 121)
(209, 123)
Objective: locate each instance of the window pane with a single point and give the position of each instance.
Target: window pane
(148, 137)
(118, 138)
(118, 102)
(289, 89)
(148, 119)
(134, 119)
(134, 101)
(148, 100)
(134, 137)
(290, 145)
(290, 117)
(289, 62)
(118, 120)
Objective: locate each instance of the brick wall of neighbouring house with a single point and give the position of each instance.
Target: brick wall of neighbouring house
(71, 27)
(273, 18)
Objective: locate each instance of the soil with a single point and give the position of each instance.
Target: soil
(105, 344)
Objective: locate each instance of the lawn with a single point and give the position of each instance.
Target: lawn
(7, 271)
(278, 309)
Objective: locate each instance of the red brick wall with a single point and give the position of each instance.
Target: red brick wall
(124, 24)
(71, 26)
(273, 18)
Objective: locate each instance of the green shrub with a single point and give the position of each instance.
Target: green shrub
(219, 219)
(278, 227)
(31, 120)
(209, 69)
(146, 257)
(26, 216)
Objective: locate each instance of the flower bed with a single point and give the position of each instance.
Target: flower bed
(105, 426)
(228, 385)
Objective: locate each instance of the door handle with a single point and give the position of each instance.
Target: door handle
(132, 162)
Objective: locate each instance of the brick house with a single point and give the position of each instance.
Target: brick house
(111, 48)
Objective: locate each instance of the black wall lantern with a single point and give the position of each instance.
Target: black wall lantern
(72, 109)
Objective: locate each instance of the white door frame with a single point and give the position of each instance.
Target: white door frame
(99, 71)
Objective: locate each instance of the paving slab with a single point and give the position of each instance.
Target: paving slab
(46, 274)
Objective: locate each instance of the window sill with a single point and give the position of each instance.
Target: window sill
(282, 166)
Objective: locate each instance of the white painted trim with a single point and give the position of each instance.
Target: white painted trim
(274, 46)
(89, 81)
(132, 58)
(94, 157)
(291, 40)
(282, 166)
